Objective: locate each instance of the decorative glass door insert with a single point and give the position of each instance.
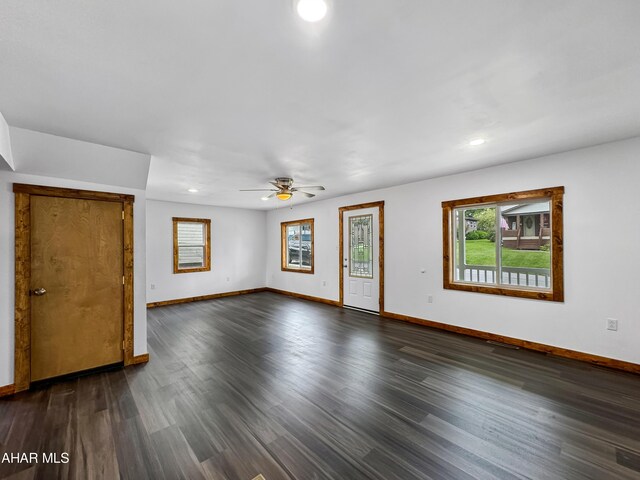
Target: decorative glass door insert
(361, 246)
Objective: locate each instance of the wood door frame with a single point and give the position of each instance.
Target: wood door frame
(23, 194)
(360, 206)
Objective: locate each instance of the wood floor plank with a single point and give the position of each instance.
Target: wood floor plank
(140, 462)
(628, 459)
(95, 452)
(286, 388)
(176, 458)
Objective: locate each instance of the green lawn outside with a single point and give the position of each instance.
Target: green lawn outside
(360, 255)
(483, 252)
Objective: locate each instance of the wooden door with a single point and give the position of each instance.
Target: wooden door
(360, 259)
(77, 259)
(529, 226)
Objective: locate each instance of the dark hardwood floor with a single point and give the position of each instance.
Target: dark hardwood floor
(287, 388)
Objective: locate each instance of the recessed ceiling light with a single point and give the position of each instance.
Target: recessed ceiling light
(193, 190)
(477, 141)
(312, 10)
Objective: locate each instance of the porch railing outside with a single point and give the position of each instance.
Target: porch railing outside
(526, 277)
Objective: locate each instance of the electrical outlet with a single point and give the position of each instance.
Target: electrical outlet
(612, 324)
(324, 283)
(429, 298)
(153, 286)
(228, 279)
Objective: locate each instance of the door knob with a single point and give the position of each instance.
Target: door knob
(38, 292)
(346, 266)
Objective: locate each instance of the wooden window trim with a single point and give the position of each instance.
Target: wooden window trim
(207, 247)
(22, 308)
(283, 246)
(555, 196)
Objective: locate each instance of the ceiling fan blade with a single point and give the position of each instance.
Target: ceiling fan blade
(312, 187)
(271, 195)
(259, 190)
(308, 195)
(276, 185)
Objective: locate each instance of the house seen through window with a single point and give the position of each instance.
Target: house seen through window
(506, 245)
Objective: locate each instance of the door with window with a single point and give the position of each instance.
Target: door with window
(360, 252)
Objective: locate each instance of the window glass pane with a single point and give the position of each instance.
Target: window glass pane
(526, 236)
(191, 233)
(361, 246)
(306, 245)
(474, 235)
(191, 245)
(190, 257)
(293, 246)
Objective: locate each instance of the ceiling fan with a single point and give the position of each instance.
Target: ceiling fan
(284, 189)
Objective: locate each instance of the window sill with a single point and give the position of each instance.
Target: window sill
(297, 270)
(506, 291)
(192, 270)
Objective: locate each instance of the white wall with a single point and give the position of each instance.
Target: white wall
(237, 251)
(601, 234)
(7, 242)
(5, 144)
(39, 153)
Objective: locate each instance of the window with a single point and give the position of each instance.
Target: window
(297, 246)
(360, 246)
(508, 244)
(191, 245)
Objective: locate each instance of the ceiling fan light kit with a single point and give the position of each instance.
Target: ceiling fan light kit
(284, 195)
(284, 189)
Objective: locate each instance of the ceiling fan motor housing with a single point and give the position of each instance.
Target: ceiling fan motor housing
(284, 181)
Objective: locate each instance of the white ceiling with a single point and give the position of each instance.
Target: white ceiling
(227, 94)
